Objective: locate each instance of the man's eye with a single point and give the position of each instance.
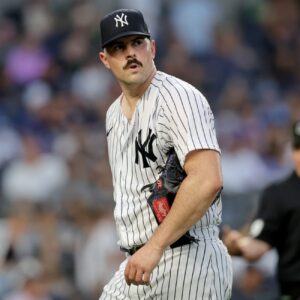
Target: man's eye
(117, 47)
(138, 42)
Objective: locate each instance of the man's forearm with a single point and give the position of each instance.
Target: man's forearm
(240, 245)
(192, 201)
(252, 249)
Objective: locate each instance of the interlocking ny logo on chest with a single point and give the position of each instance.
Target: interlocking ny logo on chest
(121, 20)
(145, 149)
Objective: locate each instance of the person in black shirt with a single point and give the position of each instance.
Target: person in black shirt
(277, 225)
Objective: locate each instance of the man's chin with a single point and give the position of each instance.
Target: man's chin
(135, 77)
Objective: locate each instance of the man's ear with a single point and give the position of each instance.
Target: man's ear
(103, 59)
(153, 48)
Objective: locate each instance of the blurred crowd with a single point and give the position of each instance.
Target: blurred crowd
(57, 236)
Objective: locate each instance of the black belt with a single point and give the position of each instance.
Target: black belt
(184, 240)
(132, 250)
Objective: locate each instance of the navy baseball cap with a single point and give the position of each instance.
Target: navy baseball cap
(296, 135)
(121, 23)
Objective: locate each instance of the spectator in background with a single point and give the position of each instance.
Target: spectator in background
(11, 148)
(276, 226)
(239, 160)
(203, 16)
(35, 176)
(27, 61)
(255, 280)
(32, 286)
(95, 241)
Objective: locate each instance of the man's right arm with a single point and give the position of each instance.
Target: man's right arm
(239, 245)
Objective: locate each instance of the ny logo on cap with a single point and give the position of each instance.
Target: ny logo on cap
(122, 20)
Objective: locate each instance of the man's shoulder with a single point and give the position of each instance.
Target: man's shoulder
(169, 81)
(172, 86)
(276, 188)
(113, 107)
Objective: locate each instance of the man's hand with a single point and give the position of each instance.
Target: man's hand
(141, 264)
(231, 240)
(252, 249)
(240, 245)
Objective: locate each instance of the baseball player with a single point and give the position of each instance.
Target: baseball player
(172, 249)
(276, 225)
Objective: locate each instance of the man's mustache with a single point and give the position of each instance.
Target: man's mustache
(132, 61)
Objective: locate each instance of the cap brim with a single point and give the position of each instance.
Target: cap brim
(123, 34)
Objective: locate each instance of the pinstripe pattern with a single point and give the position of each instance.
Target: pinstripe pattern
(171, 113)
(191, 272)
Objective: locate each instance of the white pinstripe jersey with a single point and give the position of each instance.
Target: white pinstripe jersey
(171, 113)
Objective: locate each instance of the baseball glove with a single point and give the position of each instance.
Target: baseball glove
(164, 190)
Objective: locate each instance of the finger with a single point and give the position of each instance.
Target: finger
(131, 275)
(244, 242)
(146, 278)
(139, 277)
(127, 273)
(138, 280)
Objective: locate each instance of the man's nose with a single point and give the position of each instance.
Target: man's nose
(129, 51)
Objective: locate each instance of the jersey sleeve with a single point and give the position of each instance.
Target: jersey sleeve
(189, 119)
(266, 226)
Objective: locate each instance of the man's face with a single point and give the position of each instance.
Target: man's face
(130, 59)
